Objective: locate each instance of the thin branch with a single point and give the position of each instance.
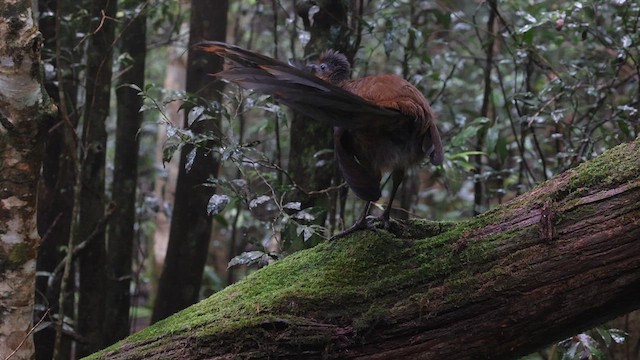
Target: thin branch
(53, 225)
(24, 339)
(98, 28)
(486, 102)
(444, 84)
(77, 250)
(72, 253)
(519, 143)
(270, 165)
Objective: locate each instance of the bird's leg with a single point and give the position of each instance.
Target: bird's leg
(361, 224)
(396, 178)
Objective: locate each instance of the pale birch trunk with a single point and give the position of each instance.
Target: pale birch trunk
(22, 120)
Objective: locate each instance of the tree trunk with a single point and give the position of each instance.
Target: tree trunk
(55, 191)
(22, 129)
(90, 222)
(125, 177)
(191, 225)
(165, 181)
(554, 261)
(313, 137)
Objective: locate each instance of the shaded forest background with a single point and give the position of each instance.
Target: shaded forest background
(165, 185)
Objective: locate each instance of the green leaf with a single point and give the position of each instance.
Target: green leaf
(493, 134)
(470, 130)
(617, 335)
(249, 258)
(502, 149)
(258, 201)
(303, 215)
(191, 157)
(217, 203)
(294, 205)
(527, 37)
(133, 86)
(443, 18)
(195, 114)
(465, 155)
(604, 334)
(305, 230)
(170, 147)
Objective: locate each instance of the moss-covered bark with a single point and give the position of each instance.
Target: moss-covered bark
(560, 258)
(24, 114)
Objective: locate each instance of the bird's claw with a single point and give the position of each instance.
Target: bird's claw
(369, 223)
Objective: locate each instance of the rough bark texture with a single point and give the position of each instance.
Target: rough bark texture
(561, 258)
(92, 262)
(181, 277)
(125, 177)
(21, 128)
(55, 191)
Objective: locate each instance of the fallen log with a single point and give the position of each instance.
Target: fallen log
(550, 263)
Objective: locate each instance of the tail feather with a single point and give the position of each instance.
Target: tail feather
(298, 89)
(234, 53)
(432, 145)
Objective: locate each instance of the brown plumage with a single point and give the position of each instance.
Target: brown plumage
(381, 123)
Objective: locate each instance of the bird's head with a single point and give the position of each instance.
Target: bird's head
(332, 67)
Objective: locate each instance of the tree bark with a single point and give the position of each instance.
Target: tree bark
(23, 112)
(181, 277)
(89, 225)
(125, 176)
(165, 180)
(328, 30)
(552, 262)
(56, 187)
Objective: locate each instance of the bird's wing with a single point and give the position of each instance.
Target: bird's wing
(395, 93)
(384, 101)
(301, 91)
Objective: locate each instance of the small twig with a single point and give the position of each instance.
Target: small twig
(53, 224)
(72, 252)
(270, 165)
(24, 339)
(444, 85)
(100, 25)
(100, 226)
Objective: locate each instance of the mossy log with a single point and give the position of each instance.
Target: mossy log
(552, 262)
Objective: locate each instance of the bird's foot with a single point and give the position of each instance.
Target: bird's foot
(375, 224)
(368, 223)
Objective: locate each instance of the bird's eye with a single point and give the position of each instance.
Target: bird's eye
(323, 66)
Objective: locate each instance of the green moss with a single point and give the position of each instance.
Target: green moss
(617, 165)
(348, 271)
(420, 228)
(19, 254)
(334, 282)
(368, 321)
